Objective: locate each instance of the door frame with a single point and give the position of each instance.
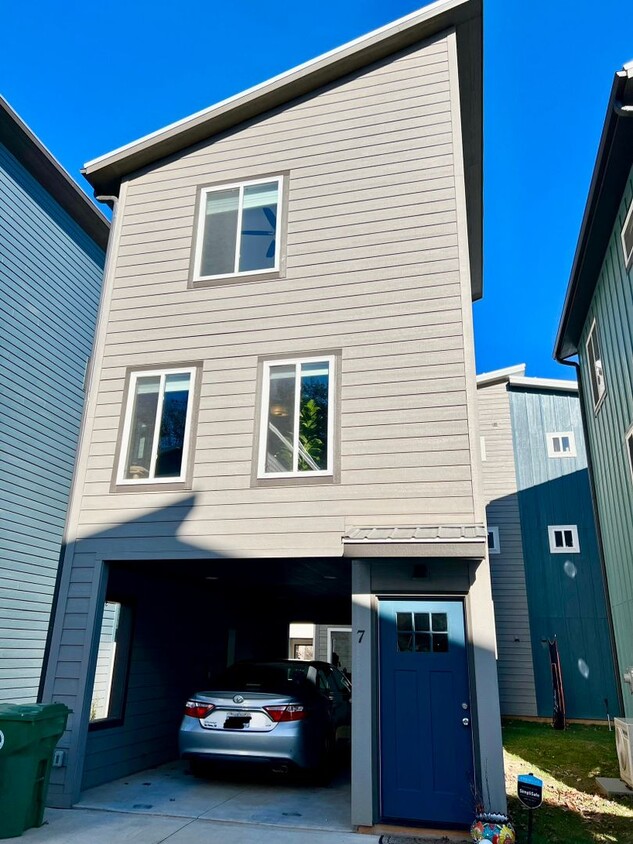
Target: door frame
(472, 697)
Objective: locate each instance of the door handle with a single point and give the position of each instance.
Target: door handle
(465, 721)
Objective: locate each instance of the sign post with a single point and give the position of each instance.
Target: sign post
(530, 793)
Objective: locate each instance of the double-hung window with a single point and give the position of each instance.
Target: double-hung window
(297, 418)
(594, 364)
(238, 229)
(156, 430)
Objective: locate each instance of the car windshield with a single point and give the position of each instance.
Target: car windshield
(276, 678)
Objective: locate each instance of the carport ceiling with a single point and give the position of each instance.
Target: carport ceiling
(314, 578)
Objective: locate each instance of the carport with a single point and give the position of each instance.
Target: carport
(181, 623)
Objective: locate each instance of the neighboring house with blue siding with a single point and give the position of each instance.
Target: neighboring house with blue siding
(597, 328)
(52, 248)
(545, 564)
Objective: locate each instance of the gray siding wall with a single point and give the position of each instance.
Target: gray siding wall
(376, 266)
(372, 269)
(612, 308)
(514, 650)
(50, 277)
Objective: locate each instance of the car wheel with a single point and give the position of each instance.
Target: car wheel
(325, 768)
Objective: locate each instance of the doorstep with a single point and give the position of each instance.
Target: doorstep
(390, 834)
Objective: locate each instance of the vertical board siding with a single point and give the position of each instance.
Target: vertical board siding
(50, 277)
(565, 592)
(516, 675)
(612, 308)
(371, 269)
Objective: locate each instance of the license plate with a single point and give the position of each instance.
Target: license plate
(234, 722)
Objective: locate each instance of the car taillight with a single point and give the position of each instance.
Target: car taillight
(290, 712)
(195, 709)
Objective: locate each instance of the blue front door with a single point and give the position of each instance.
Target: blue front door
(426, 755)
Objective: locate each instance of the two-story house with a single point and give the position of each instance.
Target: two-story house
(547, 579)
(596, 327)
(281, 421)
(52, 251)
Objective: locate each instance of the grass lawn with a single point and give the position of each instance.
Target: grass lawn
(573, 812)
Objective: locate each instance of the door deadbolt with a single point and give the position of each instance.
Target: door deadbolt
(465, 721)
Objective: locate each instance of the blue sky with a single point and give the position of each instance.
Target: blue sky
(89, 77)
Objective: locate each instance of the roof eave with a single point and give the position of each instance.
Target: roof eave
(613, 163)
(465, 16)
(43, 166)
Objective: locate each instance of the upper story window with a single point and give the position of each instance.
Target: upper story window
(156, 429)
(596, 370)
(494, 546)
(561, 444)
(627, 237)
(297, 419)
(238, 229)
(563, 539)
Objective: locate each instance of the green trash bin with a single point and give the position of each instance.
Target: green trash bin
(28, 736)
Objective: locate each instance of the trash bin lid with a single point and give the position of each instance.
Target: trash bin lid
(31, 711)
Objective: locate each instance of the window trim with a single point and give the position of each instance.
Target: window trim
(495, 548)
(121, 667)
(550, 444)
(628, 259)
(575, 549)
(132, 375)
(313, 475)
(267, 272)
(591, 366)
(628, 445)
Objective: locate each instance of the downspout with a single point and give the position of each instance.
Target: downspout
(112, 202)
(596, 518)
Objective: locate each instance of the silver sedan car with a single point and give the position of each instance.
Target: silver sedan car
(286, 713)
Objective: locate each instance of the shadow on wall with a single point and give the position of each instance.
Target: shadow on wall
(190, 612)
(566, 596)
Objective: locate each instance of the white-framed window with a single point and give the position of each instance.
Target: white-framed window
(494, 546)
(626, 236)
(563, 539)
(238, 229)
(595, 365)
(628, 440)
(156, 430)
(297, 418)
(561, 444)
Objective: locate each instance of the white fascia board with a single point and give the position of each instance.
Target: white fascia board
(544, 383)
(285, 78)
(500, 374)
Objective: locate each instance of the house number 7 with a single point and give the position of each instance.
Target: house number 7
(361, 633)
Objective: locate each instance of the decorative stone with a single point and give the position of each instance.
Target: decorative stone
(494, 828)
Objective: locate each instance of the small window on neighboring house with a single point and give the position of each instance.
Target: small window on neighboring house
(595, 365)
(113, 657)
(493, 541)
(238, 229)
(156, 430)
(629, 448)
(627, 237)
(563, 539)
(561, 445)
(297, 433)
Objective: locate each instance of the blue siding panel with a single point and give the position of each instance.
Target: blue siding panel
(566, 595)
(50, 279)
